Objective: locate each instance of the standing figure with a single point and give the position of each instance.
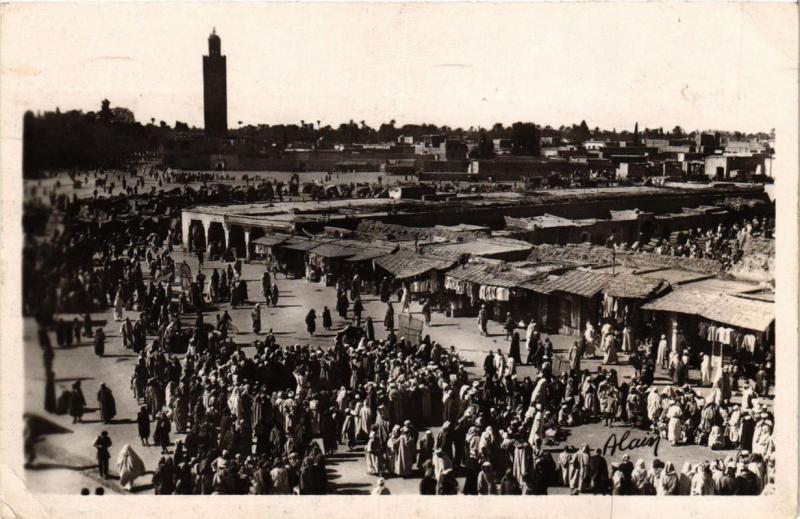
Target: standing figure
(99, 342)
(255, 317)
(102, 443)
(77, 402)
(327, 322)
(107, 404)
(311, 322)
(482, 321)
(388, 320)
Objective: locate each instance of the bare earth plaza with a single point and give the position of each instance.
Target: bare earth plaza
(287, 309)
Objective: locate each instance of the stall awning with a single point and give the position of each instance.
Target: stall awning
(682, 301)
(631, 286)
(741, 312)
(298, 243)
(728, 309)
(370, 254)
(270, 240)
(407, 264)
(333, 250)
(491, 275)
(582, 283)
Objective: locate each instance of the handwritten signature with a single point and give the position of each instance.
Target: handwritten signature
(612, 443)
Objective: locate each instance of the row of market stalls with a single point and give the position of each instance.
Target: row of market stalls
(724, 325)
(563, 293)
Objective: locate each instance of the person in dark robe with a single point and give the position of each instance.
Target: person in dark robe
(342, 304)
(99, 343)
(327, 322)
(60, 336)
(747, 432)
(509, 485)
(727, 483)
(447, 484)
(143, 423)
(426, 312)
(266, 286)
(164, 477)
(536, 480)
(388, 320)
(598, 473)
(358, 309)
(746, 481)
(472, 468)
(307, 481)
(385, 290)
(489, 368)
(425, 449)
(427, 485)
(513, 350)
(161, 432)
(77, 402)
(275, 294)
(102, 444)
(107, 404)
(370, 329)
(311, 322)
(509, 325)
(87, 324)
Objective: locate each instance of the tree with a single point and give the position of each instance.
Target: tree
(582, 133)
(485, 148)
(677, 131)
(525, 137)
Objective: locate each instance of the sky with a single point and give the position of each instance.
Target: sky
(703, 66)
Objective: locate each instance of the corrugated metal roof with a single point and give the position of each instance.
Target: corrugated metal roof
(333, 250)
(302, 244)
(375, 251)
(488, 274)
(539, 285)
(406, 264)
(633, 287)
(583, 283)
(722, 308)
(742, 312)
(270, 239)
(682, 301)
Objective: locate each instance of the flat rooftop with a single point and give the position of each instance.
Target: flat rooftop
(311, 210)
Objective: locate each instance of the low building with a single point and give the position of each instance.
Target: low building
(415, 192)
(726, 167)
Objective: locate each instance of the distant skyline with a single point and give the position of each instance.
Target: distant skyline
(446, 64)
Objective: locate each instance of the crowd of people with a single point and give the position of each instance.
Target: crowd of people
(724, 243)
(267, 420)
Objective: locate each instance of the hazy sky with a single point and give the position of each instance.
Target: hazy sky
(700, 66)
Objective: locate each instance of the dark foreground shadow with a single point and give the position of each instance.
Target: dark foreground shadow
(41, 426)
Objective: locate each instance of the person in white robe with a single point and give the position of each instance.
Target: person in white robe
(373, 455)
(441, 462)
(589, 336)
(118, 307)
(130, 467)
(674, 414)
(610, 349)
(661, 355)
(705, 370)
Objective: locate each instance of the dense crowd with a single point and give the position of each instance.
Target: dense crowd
(724, 243)
(265, 423)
